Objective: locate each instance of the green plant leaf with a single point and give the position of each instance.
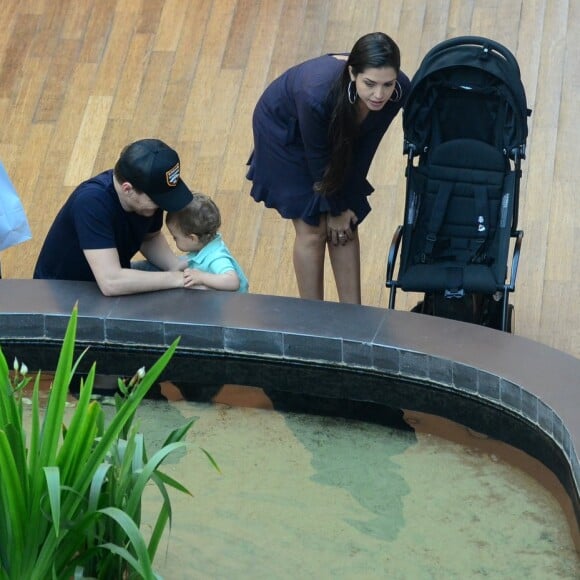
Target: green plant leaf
(142, 563)
(139, 454)
(122, 458)
(10, 405)
(75, 449)
(179, 433)
(57, 399)
(167, 480)
(15, 436)
(163, 517)
(13, 497)
(5, 392)
(34, 443)
(97, 486)
(211, 460)
(4, 370)
(148, 470)
(53, 486)
(82, 428)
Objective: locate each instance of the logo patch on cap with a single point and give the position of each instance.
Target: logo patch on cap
(172, 175)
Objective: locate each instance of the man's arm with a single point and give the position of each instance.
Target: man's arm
(156, 249)
(116, 281)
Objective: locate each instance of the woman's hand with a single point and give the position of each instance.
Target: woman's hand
(339, 227)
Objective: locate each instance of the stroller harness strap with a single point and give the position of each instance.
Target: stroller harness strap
(437, 217)
(458, 176)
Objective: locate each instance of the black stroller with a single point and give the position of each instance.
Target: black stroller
(465, 129)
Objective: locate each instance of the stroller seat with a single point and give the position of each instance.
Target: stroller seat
(465, 128)
(458, 227)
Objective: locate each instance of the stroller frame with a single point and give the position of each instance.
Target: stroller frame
(465, 129)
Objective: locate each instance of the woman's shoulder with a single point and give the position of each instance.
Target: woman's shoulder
(313, 78)
(327, 66)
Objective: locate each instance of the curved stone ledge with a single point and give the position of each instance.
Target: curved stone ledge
(511, 388)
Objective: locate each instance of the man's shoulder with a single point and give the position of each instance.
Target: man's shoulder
(98, 183)
(96, 192)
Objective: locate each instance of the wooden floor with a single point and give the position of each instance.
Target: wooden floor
(79, 80)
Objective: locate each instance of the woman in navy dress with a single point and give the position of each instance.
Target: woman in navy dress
(316, 130)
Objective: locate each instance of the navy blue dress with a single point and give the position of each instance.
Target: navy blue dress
(291, 146)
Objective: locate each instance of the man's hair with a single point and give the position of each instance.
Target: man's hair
(201, 217)
(117, 172)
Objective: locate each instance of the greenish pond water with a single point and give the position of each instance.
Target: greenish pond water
(303, 496)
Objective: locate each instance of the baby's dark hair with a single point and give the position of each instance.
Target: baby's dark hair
(200, 216)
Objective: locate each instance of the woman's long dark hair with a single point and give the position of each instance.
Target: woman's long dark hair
(374, 50)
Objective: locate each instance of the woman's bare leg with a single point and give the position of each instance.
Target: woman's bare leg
(309, 249)
(345, 261)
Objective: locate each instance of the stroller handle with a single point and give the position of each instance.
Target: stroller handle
(484, 43)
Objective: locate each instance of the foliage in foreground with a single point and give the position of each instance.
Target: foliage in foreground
(70, 496)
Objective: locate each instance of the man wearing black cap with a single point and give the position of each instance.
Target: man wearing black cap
(112, 216)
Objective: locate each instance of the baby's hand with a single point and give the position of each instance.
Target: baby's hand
(192, 277)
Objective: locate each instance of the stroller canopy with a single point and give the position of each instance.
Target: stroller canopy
(485, 70)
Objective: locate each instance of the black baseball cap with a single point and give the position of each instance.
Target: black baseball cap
(151, 166)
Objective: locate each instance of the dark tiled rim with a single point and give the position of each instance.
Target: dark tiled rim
(462, 371)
